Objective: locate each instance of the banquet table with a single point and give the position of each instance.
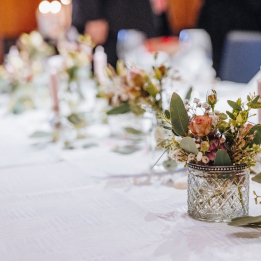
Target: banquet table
(94, 204)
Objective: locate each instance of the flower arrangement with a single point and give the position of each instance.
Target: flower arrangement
(207, 140)
(76, 56)
(133, 90)
(22, 66)
(33, 47)
(210, 137)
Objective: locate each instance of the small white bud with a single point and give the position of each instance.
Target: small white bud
(199, 156)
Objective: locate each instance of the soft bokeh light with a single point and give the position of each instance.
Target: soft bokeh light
(45, 7)
(66, 2)
(55, 7)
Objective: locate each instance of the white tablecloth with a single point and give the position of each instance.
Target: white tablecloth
(93, 204)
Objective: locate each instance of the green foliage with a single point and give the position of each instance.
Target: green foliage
(222, 116)
(170, 165)
(257, 105)
(167, 127)
(125, 150)
(189, 145)
(246, 221)
(89, 145)
(151, 89)
(133, 131)
(72, 72)
(257, 178)
(179, 116)
(256, 130)
(167, 114)
(234, 105)
(231, 115)
(222, 159)
(253, 103)
(77, 119)
(41, 134)
(188, 95)
(121, 109)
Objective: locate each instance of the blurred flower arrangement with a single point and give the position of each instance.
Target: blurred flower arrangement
(21, 67)
(211, 137)
(33, 47)
(133, 90)
(76, 57)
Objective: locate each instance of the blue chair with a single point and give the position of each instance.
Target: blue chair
(241, 57)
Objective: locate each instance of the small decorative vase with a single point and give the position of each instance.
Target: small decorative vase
(159, 159)
(218, 194)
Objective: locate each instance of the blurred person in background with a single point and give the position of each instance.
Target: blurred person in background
(160, 8)
(183, 14)
(103, 19)
(218, 17)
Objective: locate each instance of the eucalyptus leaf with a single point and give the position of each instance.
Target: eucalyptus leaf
(133, 131)
(90, 145)
(254, 101)
(121, 109)
(257, 178)
(77, 119)
(222, 159)
(256, 106)
(179, 116)
(167, 127)
(125, 150)
(234, 105)
(167, 114)
(245, 221)
(257, 130)
(188, 95)
(231, 115)
(41, 134)
(189, 145)
(170, 165)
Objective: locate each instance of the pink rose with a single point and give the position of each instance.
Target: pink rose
(201, 125)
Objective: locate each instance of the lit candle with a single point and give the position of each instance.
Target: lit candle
(100, 62)
(49, 18)
(66, 13)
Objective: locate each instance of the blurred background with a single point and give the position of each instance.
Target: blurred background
(123, 25)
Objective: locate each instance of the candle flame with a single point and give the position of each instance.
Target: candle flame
(55, 7)
(45, 7)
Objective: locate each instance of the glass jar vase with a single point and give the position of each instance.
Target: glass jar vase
(159, 158)
(129, 125)
(218, 194)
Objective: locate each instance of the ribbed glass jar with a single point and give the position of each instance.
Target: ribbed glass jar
(218, 194)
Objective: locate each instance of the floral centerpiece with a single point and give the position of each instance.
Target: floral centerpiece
(33, 48)
(131, 92)
(219, 149)
(133, 89)
(77, 57)
(21, 68)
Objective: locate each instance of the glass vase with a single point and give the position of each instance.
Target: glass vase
(159, 158)
(217, 194)
(129, 125)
